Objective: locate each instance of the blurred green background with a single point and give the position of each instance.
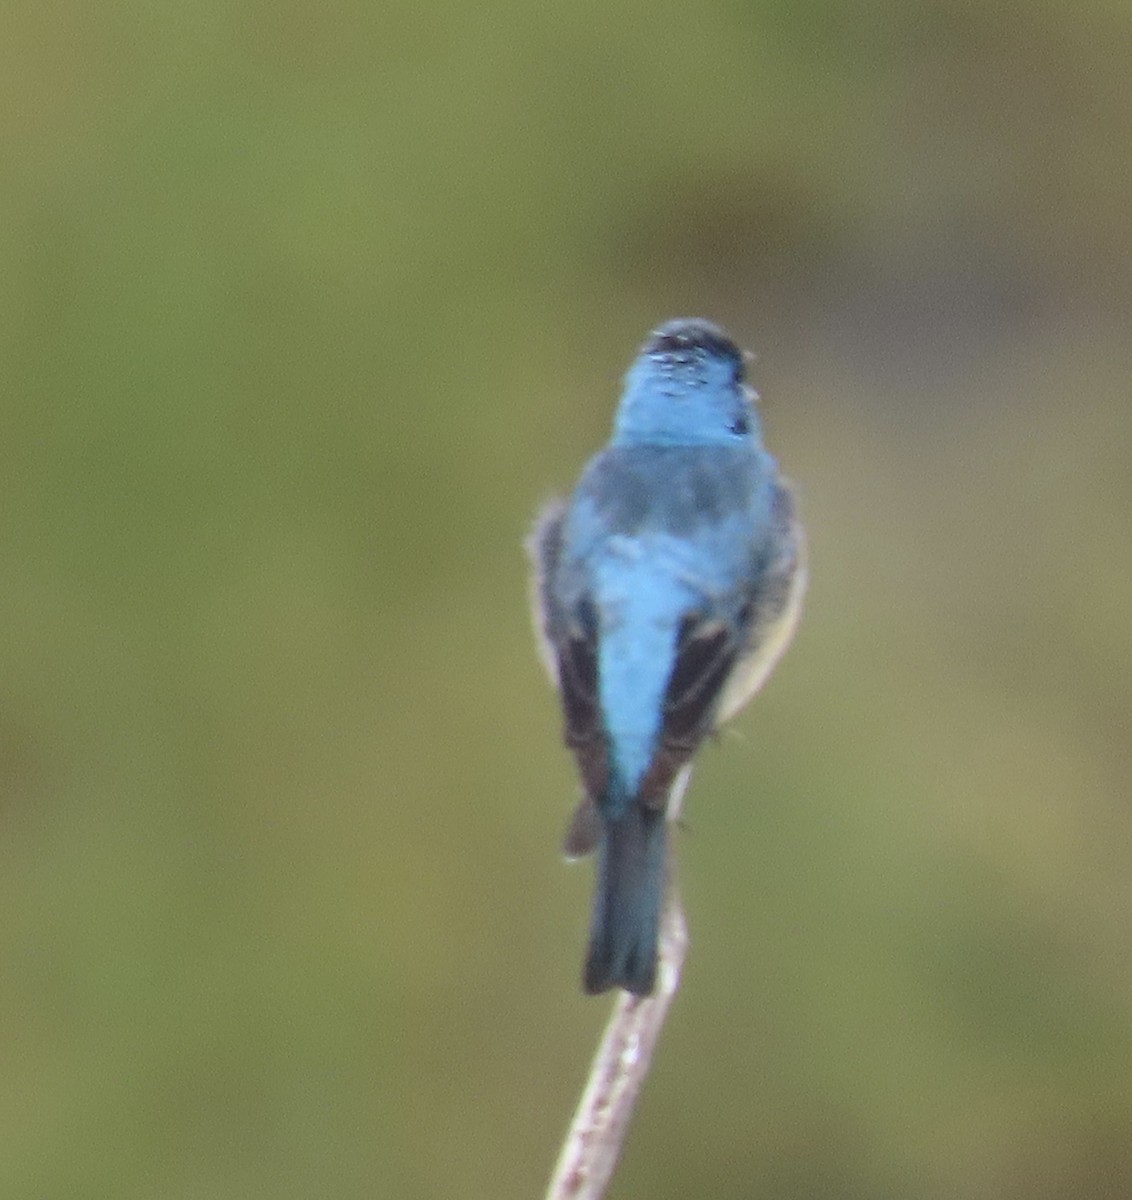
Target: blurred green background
(304, 308)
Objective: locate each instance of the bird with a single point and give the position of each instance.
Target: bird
(664, 591)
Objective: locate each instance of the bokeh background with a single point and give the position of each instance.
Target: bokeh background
(304, 308)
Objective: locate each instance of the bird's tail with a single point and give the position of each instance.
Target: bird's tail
(626, 914)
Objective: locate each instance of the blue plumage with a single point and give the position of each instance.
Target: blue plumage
(666, 589)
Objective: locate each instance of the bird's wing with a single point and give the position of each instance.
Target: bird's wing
(720, 662)
(707, 649)
(578, 690)
(568, 648)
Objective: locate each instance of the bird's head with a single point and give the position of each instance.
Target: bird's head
(687, 386)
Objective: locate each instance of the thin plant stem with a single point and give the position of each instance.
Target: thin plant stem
(593, 1143)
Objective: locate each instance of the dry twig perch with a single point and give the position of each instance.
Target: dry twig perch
(598, 1130)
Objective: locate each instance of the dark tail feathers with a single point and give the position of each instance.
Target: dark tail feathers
(626, 913)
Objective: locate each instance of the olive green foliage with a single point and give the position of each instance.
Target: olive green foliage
(303, 309)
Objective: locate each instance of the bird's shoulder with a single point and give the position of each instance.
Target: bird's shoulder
(631, 489)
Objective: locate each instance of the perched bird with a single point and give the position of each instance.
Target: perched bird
(665, 590)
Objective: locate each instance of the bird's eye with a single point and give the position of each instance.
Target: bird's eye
(740, 426)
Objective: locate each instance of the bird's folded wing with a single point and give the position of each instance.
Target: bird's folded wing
(706, 652)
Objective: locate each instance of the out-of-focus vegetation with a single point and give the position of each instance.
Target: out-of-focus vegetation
(303, 309)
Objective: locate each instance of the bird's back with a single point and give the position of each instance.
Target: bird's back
(657, 536)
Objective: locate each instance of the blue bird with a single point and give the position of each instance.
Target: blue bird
(665, 591)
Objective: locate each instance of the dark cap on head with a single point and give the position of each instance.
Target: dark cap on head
(685, 338)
